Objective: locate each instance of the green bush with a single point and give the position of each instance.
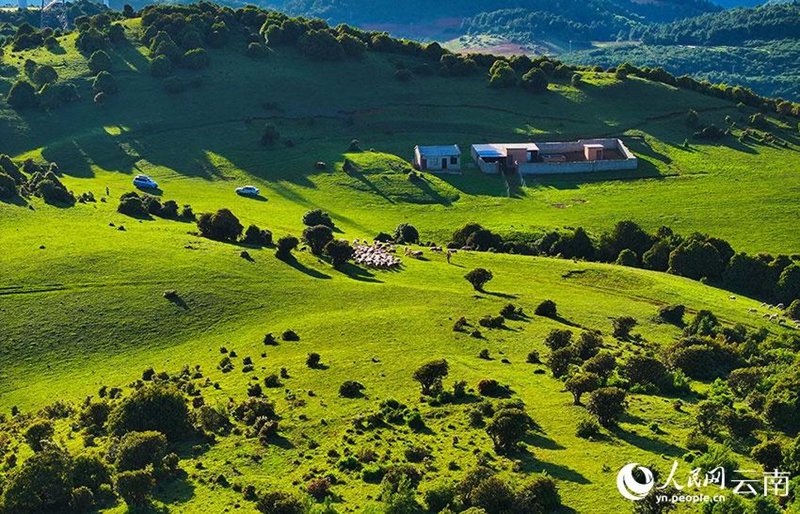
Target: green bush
(195, 59)
(99, 61)
(160, 66)
(154, 407)
(538, 494)
(587, 428)
(22, 95)
(137, 450)
(547, 309)
(277, 502)
(41, 484)
(317, 237)
(607, 404)
(135, 487)
(478, 278)
(44, 75)
(222, 225)
(104, 82)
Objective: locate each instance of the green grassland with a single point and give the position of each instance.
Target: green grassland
(81, 302)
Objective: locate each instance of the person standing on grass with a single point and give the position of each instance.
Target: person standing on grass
(447, 255)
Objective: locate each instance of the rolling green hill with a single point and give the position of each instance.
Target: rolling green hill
(85, 304)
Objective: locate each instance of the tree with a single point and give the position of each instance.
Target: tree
(153, 407)
(607, 404)
(406, 234)
(321, 45)
(135, 487)
(602, 364)
(430, 376)
(501, 75)
(642, 370)
(22, 95)
(535, 81)
(538, 495)
(672, 314)
(285, 246)
(628, 235)
(8, 187)
(38, 434)
(558, 338)
(44, 75)
(627, 258)
(657, 257)
(137, 450)
(160, 66)
(317, 237)
(788, 287)
(560, 361)
(317, 217)
(195, 59)
(220, 226)
(581, 383)
(547, 308)
(257, 237)
(104, 82)
(507, 427)
(99, 61)
(696, 259)
(479, 277)
(277, 502)
(41, 484)
(339, 251)
(623, 326)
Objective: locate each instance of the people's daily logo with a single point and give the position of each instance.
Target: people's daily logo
(632, 487)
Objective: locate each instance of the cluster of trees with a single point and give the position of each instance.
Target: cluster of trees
(40, 88)
(224, 226)
(143, 206)
(697, 256)
(729, 27)
(32, 179)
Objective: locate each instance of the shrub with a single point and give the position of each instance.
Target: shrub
(587, 345)
(285, 246)
(22, 95)
(44, 75)
(769, 454)
(195, 59)
(38, 434)
(153, 407)
(339, 251)
(99, 61)
(319, 488)
(313, 360)
(672, 314)
(8, 187)
(491, 387)
(430, 376)
(587, 428)
(290, 335)
(547, 309)
(558, 338)
(278, 502)
(507, 427)
(644, 370)
(406, 234)
(415, 422)
(317, 237)
(623, 326)
(317, 217)
(535, 81)
(137, 450)
(257, 237)
(560, 361)
(104, 82)
(220, 226)
(793, 310)
(82, 499)
(53, 191)
(132, 205)
(628, 258)
(492, 321)
(438, 496)
(478, 278)
(135, 487)
(256, 50)
(351, 389)
(581, 383)
(539, 494)
(607, 404)
(40, 484)
(160, 66)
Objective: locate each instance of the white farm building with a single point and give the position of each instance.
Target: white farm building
(437, 158)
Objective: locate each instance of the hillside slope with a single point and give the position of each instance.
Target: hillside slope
(91, 298)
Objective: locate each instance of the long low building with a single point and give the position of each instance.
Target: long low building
(437, 158)
(582, 156)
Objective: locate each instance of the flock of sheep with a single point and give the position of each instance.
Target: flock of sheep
(375, 255)
(778, 316)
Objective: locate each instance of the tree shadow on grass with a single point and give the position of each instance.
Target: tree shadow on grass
(540, 440)
(293, 262)
(648, 443)
(560, 472)
(500, 295)
(175, 491)
(358, 273)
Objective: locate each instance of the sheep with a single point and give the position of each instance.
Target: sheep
(731, 297)
(752, 309)
(779, 306)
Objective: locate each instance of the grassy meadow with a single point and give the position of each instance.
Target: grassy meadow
(82, 306)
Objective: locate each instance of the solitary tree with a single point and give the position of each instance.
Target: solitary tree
(285, 246)
(339, 251)
(406, 234)
(507, 428)
(607, 404)
(581, 383)
(479, 277)
(317, 237)
(430, 376)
